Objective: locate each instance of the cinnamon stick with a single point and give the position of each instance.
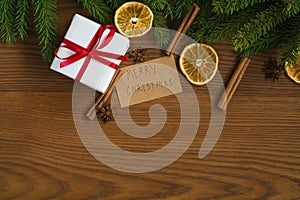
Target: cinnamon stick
(110, 90)
(184, 26)
(234, 83)
(104, 97)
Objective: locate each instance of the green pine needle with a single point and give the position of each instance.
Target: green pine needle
(291, 44)
(168, 11)
(22, 18)
(226, 26)
(7, 29)
(231, 6)
(158, 4)
(253, 25)
(292, 6)
(258, 26)
(161, 33)
(155, 5)
(99, 10)
(115, 3)
(202, 22)
(181, 8)
(266, 42)
(46, 23)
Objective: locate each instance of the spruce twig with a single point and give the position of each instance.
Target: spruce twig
(168, 11)
(258, 26)
(114, 4)
(22, 18)
(46, 19)
(201, 23)
(228, 25)
(158, 5)
(265, 42)
(292, 6)
(253, 25)
(231, 6)
(7, 29)
(99, 10)
(161, 33)
(211, 30)
(181, 8)
(291, 44)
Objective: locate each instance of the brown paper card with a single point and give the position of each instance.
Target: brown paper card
(148, 81)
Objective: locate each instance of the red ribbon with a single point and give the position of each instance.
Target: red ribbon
(92, 51)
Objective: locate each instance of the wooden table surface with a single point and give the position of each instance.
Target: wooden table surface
(42, 157)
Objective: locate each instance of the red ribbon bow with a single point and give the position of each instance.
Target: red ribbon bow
(92, 51)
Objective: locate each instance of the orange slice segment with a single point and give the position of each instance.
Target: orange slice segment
(199, 63)
(293, 70)
(133, 19)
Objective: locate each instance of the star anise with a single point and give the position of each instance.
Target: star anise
(138, 55)
(274, 70)
(105, 113)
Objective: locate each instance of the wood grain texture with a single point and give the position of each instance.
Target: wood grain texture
(42, 156)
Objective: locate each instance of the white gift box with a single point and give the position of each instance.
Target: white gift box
(97, 75)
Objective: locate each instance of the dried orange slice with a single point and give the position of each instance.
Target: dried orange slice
(199, 63)
(293, 70)
(133, 19)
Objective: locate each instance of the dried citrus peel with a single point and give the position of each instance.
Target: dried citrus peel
(133, 19)
(199, 63)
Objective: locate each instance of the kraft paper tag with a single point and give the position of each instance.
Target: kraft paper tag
(148, 81)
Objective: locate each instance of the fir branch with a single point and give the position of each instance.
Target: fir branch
(114, 4)
(99, 10)
(22, 18)
(155, 5)
(202, 22)
(181, 8)
(226, 26)
(46, 19)
(158, 5)
(266, 42)
(231, 6)
(168, 11)
(292, 6)
(7, 29)
(160, 32)
(290, 46)
(258, 26)
(205, 33)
